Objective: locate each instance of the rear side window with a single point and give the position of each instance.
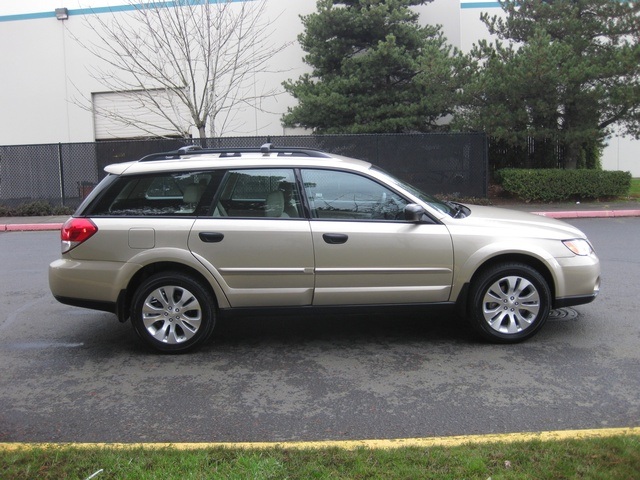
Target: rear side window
(159, 194)
(257, 193)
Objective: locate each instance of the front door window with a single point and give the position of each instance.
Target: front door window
(335, 195)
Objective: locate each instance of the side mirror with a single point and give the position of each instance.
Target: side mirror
(413, 212)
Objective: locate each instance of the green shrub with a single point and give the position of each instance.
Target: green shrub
(549, 185)
(62, 210)
(33, 209)
(5, 211)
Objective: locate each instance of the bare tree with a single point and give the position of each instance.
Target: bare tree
(193, 63)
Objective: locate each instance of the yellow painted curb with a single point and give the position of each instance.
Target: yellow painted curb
(350, 444)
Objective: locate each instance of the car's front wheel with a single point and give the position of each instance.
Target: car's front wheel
(173, 312)
(509, 302)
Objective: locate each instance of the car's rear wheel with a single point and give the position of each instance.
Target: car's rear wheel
(509, 302)
(173, 312)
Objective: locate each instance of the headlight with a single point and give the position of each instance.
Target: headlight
(579, 246)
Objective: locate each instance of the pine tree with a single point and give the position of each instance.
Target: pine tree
(568, 72)
(375, 69)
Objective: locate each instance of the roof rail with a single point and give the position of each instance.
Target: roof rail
(189, 148)
(266, 149)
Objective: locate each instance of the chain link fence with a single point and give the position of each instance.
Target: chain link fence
(64, 174)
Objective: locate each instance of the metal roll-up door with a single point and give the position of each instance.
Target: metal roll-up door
(122, 115)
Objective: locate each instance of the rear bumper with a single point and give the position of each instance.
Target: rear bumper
(89, 282)
(92, 304)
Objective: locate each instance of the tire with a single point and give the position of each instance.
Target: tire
(172, 312)
(509, 303)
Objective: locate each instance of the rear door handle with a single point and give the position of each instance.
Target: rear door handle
(335, 238)
(211, 237)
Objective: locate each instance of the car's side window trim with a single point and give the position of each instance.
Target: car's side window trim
(206, 201)
(304, 203)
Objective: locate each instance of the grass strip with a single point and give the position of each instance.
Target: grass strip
(614, 457)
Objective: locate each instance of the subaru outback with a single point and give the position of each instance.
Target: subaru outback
(175, 240)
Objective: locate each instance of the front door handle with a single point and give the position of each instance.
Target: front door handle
(335, 238)
(211, 237)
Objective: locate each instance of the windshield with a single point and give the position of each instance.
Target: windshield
(447, 208)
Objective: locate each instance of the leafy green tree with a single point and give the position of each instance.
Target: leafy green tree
(568, 73)
(375, 69)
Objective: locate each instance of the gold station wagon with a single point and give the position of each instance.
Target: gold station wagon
(176, 239)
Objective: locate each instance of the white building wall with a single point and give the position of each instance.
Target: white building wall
(622, 153)
(44, 73)
(33, 93)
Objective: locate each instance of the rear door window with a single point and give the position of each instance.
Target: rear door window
(259, 193)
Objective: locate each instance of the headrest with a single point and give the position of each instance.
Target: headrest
(193, 193)
(275, 204)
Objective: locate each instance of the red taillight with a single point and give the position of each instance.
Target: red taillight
(75, 231)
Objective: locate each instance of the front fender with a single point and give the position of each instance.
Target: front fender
(466, 266)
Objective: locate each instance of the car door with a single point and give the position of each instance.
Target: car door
(365, 252)
(257, 242)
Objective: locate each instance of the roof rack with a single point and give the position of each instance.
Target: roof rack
(267, 149)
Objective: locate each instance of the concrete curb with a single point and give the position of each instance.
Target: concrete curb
(590, 214)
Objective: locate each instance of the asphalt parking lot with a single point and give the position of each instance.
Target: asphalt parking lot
(74, 375)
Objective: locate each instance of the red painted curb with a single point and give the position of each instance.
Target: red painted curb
(30, 227)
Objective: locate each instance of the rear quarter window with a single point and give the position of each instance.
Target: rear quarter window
(158, 194)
